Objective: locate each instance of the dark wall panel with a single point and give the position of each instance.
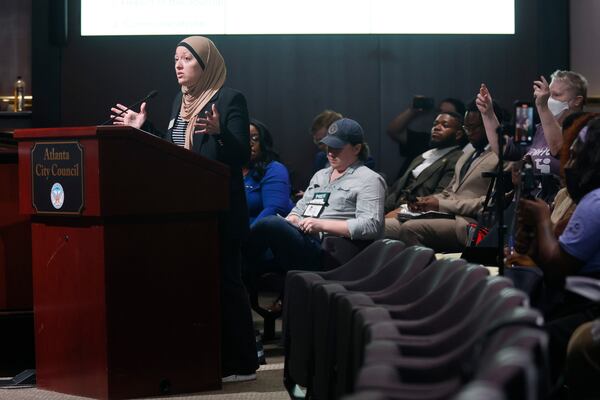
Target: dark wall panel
(289, 79)
(15, 44)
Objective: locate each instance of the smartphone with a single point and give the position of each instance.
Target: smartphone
(423, 103)
(524, 123)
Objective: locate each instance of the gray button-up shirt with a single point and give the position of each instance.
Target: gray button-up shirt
(357, 196)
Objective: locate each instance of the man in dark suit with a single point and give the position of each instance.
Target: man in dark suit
(463, 197)
(431, 171)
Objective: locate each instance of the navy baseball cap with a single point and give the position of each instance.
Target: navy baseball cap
(342, 132)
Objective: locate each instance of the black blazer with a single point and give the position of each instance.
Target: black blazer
(231, 147)
(432, 179)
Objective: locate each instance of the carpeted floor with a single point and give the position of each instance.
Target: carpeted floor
(267, 386)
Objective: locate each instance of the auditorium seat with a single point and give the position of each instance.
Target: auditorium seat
(438, 372)
(297, 300)
(401, 268)
(514, 367)
(336, 251)
(478, 391)
(442, 319)
(345, 304)
(462, 286)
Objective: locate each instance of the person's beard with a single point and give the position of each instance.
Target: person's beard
(442, 144)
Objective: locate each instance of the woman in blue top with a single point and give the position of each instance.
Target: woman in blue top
(266, 180)
(577, 250)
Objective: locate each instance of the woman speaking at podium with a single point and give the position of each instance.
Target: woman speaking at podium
(212, 120)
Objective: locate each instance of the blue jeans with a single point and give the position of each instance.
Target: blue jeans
(274, 245)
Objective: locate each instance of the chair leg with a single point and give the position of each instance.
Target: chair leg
(269, 327)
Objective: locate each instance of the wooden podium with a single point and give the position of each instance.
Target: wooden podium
(16, 304)
(125, 261)
(15, 242)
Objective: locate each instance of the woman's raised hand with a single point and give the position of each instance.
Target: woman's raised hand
(129, 117)
(541, 92)
(484, 101)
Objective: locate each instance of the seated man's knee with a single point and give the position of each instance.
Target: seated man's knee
(391, 228)
(408, 233)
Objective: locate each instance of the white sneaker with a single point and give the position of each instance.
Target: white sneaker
(238, 378)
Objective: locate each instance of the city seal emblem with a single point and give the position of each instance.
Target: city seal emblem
(57, 196)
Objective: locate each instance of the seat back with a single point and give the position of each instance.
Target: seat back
(298, 320)
(338, 250)
(439, 375)
(514, 372)
(375, 255)
(328, 332)
(480, 391)
(408, 291)
(444, 294)
(449, 315)
(412, 260)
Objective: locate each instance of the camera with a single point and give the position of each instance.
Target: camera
(423, 103)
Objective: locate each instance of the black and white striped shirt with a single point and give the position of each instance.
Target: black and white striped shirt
(178, 132)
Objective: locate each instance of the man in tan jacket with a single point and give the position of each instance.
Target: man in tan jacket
(463, 197)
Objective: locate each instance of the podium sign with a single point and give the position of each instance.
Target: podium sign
(57, 177)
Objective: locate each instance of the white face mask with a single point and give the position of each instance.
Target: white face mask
(557, 107)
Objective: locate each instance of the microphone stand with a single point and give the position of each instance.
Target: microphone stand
(137, 103)
(500, 200)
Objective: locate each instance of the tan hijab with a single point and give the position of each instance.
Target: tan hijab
(196, 96)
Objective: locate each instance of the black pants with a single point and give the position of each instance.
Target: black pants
(238, 344)
(274, 245)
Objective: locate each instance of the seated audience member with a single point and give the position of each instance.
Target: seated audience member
(565, 95)
(318, 131)
(582, 370)
(413, 142)
(346, 199)
(431, 171)
(577, 250)
(562, 207)
(463, 198)
(266, 180)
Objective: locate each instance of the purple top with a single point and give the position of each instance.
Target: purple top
(543, 161)
(581, 237)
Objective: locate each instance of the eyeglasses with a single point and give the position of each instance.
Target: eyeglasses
(471, 128)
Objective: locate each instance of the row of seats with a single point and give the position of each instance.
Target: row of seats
(335, 251)
(396, 323)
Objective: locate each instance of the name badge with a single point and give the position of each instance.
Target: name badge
(316, 206)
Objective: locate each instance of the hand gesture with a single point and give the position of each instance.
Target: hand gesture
(311, 225)
(129, 117)
(210, 123)
(429, 203)
(541, 92)
(484, 101)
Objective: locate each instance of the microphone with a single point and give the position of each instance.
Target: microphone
(137, 103)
